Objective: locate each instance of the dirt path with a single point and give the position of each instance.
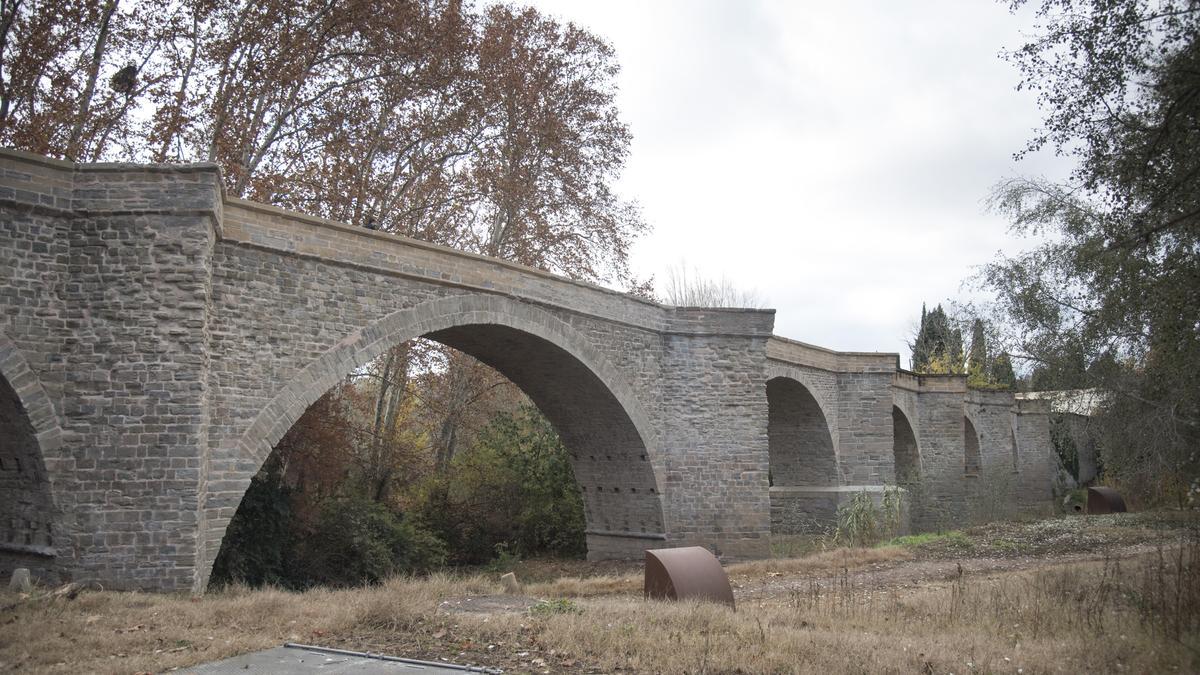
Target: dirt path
(913, 573)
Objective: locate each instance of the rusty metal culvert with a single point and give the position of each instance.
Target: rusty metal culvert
(1105, 500)
(686, 573)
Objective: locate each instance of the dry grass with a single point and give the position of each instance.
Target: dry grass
(829, 612)
(824, 562)
(1036, 622)
(111, 632)
(587, 587)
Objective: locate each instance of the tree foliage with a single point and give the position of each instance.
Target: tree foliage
(938, 344)
(359, 541)
(493, 131)
(1111, 299)
(937, 349)
(978, 364)
(514, 490)
(489, 129)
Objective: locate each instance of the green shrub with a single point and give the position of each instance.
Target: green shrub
(513, 491)
(861, 523)
(358, 540)
(558, 606)
(954, 537)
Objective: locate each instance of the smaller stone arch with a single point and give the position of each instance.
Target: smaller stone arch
(972, 461)
(1016, 451)
(805, 477)
(800, 445)
(823, 392)
(905, 450)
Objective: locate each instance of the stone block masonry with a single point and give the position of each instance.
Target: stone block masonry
(157, 339)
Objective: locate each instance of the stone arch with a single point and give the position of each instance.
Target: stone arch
(31, 528)
(811, 382)
(907, 404)
(1016, 452)
(799, 441)
(33, 397)
(972, 461)
(905, 450)
(602, 422)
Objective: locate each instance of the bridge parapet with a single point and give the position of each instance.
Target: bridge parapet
(297, 234)
(799, 353)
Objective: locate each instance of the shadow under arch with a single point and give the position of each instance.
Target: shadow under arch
(601, 421)
(972, 461)
(1014, 451)
(32, 531)
(906, 451)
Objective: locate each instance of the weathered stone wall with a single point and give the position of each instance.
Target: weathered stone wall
(1038, 464)
(804, 510)
(714, 416)
(113, 329)
(993, 493)
(943, 452)
(34, 252)
(865, 434)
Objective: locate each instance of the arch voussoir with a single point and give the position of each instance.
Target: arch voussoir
(35, 466)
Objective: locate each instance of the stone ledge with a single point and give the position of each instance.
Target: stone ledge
(28, 549)
(627, 535)
(832, 489)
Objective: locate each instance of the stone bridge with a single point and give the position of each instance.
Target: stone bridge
(157, 338)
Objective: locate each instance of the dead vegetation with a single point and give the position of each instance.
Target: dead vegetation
(1134, 609)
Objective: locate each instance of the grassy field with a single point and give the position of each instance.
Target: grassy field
(1095, 594)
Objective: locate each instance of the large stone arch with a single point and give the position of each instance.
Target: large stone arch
(32, 531)
(604, 425)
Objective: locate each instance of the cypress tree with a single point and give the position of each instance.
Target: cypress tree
(1002, 371)
(978, 367)
(938, 346)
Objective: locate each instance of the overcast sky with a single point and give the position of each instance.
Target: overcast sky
(835, 157)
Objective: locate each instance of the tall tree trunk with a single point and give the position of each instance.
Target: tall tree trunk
(393, 387)
(8, 16)
(459, 376)
(176, 119)
(85, 103)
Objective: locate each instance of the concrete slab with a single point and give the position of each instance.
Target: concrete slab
(293, 658)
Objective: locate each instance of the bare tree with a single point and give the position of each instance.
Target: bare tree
(489, 130)
(685, 286)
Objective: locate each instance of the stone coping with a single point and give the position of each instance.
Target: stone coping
(833, 489)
